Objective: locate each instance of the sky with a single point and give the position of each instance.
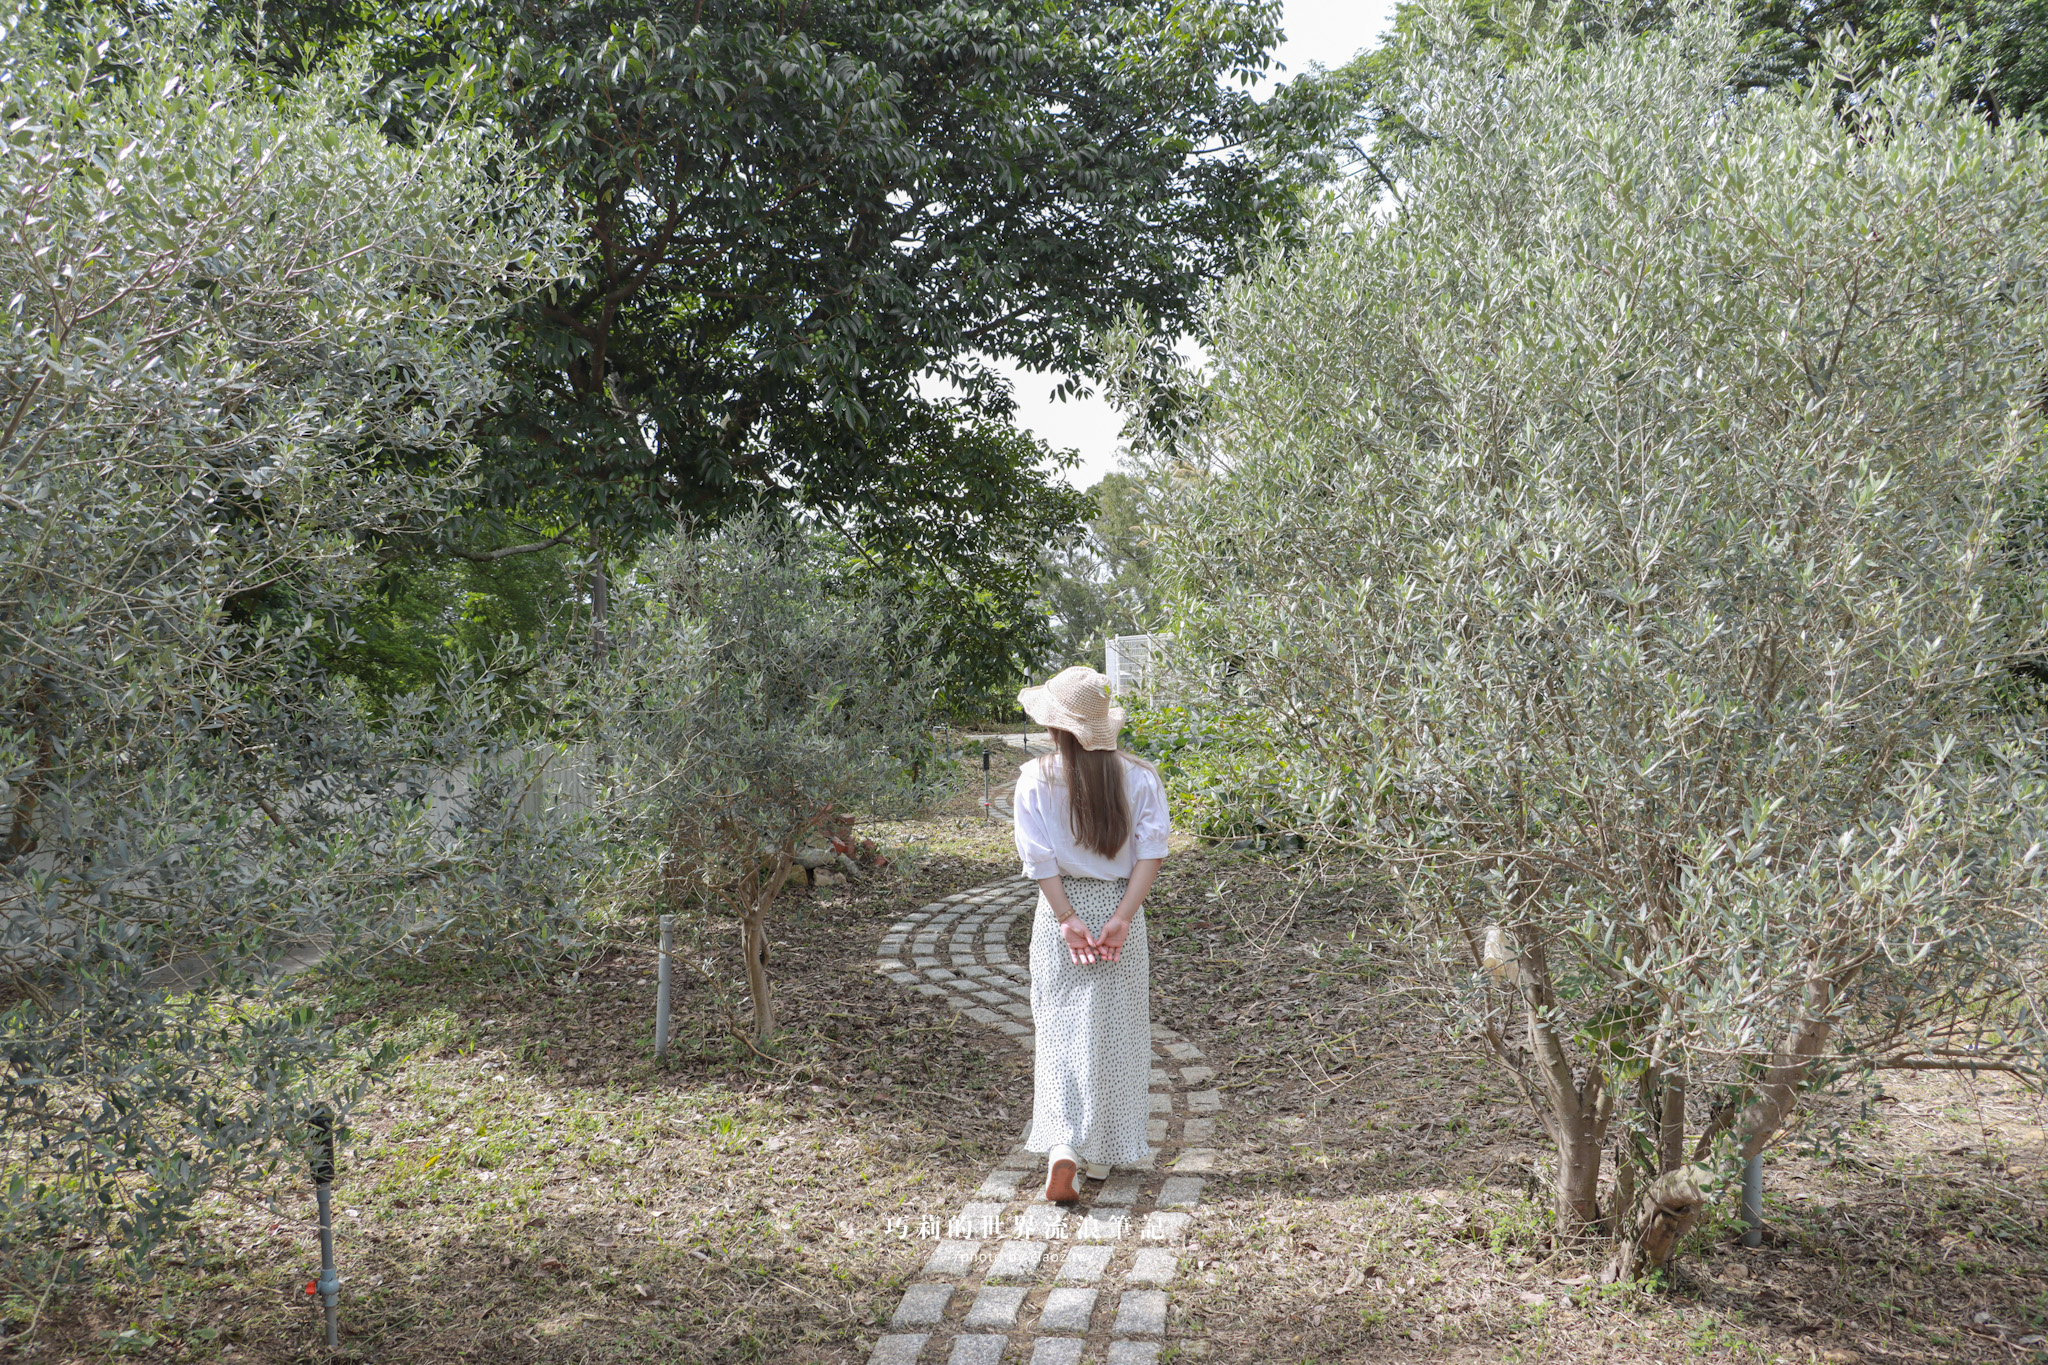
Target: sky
(1329, 32)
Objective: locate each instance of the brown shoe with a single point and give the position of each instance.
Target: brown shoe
(1062, 1169)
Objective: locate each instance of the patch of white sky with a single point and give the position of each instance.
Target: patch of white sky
(1326, 33)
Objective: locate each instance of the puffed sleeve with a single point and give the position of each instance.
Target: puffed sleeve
(1149, 826)
(1028, 815)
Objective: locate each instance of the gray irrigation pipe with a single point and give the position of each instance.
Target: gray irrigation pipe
(668, 950)
(328, 1285)
(1753, 1201)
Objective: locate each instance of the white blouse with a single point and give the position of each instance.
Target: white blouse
(1045, 836)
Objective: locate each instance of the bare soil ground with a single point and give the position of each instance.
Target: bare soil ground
(1382, 1200)
(534, 1188)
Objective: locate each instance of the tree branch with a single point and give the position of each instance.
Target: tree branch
(1954, 1064)
(491, 556)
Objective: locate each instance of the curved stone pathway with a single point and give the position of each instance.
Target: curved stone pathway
(1012, 1278)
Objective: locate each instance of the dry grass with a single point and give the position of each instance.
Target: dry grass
(534, 1188)
(1379, 1202)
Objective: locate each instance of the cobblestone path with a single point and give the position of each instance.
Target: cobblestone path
(1012, 1278)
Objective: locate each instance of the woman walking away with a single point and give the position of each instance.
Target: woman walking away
(1091, 829)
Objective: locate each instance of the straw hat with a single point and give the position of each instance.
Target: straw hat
(1076, 699)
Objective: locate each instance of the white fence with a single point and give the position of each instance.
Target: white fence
(1127, 660)
(541, 782)
(551, 779)
(558, 779)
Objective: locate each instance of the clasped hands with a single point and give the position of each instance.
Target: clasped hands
(1088, 948)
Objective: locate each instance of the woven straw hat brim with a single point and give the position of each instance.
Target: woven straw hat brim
(1093, 732)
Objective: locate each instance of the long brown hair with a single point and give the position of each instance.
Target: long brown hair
(1098, 808)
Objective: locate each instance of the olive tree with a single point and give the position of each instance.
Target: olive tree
(815, 692)
(242, 338)
(1627, 535)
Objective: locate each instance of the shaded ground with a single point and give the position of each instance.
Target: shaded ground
(534, 1188)
(1380, 1200)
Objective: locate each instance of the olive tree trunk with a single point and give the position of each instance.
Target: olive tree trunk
(1669, 1207)
(1577, 1105)
(756, 895)
(754, 947)
(1574, 1104)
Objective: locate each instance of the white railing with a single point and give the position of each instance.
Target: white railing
(558, 779)
(1127, 660)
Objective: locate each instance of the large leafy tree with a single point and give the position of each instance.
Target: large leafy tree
(801, 215)
(2006, 75)
(798, 210)
(1102, 584)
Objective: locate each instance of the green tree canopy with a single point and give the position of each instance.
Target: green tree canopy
(796, 213)
(1364, 112)
(1618, 539)
(2006, 76)
(1102, 584)
(799, 217)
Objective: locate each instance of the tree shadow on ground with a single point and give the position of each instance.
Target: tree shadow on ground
(1380, 1191)
(532, 1186)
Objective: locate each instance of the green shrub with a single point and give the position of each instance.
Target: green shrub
(229, 299)
(1617, 538)
(1224, 771)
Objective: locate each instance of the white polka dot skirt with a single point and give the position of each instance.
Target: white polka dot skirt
(1094, 1026)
